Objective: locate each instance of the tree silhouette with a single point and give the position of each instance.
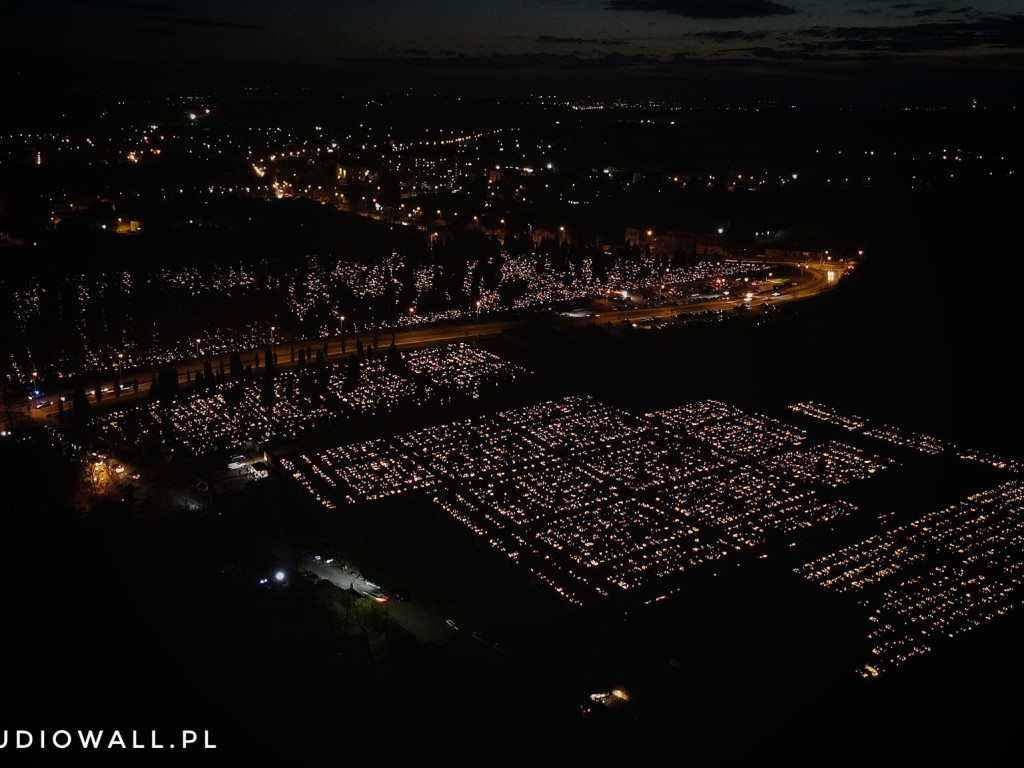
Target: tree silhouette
(235, 366)
(15, 406)
(267, 394)
(168, 381)
(352, 372)
(394, 361)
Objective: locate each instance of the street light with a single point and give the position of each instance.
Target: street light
(271, 334)
(478, 313)
(199, 352)
(342, 319)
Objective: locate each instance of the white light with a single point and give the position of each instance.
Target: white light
(279, 575)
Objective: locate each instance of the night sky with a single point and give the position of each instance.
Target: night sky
(722, 50)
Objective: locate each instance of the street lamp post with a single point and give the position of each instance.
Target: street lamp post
(478, 313)
(199, 352)
(271, 334)
(342, 319)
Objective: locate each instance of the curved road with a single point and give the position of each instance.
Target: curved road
(813, 279)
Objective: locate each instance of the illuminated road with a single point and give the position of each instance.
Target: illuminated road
(813, 279)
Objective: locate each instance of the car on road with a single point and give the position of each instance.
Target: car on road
(236, 462)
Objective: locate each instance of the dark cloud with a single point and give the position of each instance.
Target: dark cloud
(729, 37)
(561, 40)
(551, 39)
(799, 53)
(928, 11)
(1007, 33)
(704, 9)
(186, 21)
(121, 5)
